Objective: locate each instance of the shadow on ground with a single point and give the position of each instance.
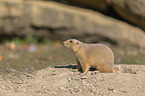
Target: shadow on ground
(71, 66)
(66, 66)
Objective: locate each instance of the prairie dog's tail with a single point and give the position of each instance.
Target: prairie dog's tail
(116, 71)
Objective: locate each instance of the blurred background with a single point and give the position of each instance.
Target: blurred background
(32, 31)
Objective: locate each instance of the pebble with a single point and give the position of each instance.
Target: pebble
(20, 82)
(46, 91)
(69, 79)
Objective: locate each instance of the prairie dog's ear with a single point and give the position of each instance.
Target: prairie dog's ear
(78, 42)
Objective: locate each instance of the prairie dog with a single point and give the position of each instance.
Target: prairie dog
(97, 56)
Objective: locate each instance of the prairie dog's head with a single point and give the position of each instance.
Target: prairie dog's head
(72, 44)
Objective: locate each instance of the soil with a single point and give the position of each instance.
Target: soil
(64, 80)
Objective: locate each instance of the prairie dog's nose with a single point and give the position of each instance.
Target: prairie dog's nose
(64, 42)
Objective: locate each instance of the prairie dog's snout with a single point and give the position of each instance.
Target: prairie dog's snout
(69, 43)
(65, 43)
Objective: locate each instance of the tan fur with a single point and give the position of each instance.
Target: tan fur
(96, 56)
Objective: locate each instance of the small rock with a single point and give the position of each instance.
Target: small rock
(28, 75)
(110, 89)
(32, 48)
(83, 77)
(46, 91)
(20, 82)
(124, 91)
(69, 79)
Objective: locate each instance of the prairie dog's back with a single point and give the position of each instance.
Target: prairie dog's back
(98, 51)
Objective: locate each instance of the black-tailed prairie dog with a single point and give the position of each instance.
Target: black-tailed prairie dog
(97, 56)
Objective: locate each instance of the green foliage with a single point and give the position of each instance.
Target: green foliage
(19, 41)
(46, 41)
(30, 39)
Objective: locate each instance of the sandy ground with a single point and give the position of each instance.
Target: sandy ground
(65, 81)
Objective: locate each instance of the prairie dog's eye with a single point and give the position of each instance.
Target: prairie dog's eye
(70, 41)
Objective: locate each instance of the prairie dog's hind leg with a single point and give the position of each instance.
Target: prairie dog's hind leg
(106, 68)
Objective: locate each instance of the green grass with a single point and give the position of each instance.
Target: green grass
(19, 41)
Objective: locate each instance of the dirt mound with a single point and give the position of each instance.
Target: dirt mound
(65, 81)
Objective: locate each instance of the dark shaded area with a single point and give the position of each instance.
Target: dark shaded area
(52, 30)
(66, 66)
(108, 11)
(72, 67)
